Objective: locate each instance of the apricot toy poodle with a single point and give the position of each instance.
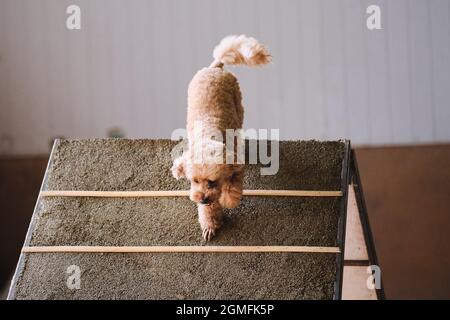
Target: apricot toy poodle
(215, 107)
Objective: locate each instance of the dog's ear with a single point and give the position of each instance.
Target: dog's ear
(178, 168)
(231, 195)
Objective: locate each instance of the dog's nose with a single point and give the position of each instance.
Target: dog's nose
(204, 200)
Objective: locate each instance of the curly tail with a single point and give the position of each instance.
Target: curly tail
(233, 50)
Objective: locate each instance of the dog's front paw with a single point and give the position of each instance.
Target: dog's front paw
(210, 218)
(208, 233)
(209, 228)
(178, 168)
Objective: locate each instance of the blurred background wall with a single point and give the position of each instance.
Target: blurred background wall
(130, 64)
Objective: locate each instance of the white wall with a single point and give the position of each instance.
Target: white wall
(130, 64)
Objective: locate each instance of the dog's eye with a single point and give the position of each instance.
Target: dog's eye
(195, 180)
(212, 184)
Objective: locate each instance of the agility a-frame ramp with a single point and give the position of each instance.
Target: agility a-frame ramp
(111, 223)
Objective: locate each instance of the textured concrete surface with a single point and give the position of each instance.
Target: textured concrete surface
(144, 165)
(173, 221)
(181, 276)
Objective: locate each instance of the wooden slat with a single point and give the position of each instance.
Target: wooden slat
(293, 193)
(355, 284)
(184, 193)
(355, 245)
(173, 249)
(115, 194)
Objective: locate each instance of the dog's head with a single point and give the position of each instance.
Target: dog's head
(210, 182)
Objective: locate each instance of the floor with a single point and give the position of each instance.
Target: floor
(407, 190)
(20, 180)
(407, 194)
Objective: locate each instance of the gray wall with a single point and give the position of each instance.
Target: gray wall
(131, 62)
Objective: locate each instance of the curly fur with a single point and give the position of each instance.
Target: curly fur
(215, 102)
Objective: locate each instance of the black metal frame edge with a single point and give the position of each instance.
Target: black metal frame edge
(345, 181)
(364, 217)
